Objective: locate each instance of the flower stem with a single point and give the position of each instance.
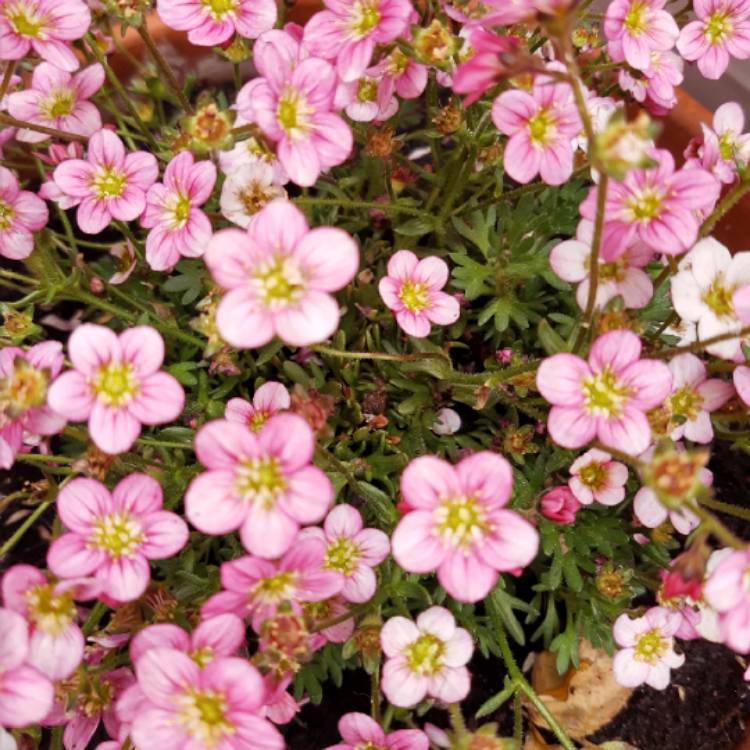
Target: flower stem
(730, 199)
(24, 527)
(384, 356)
(457, 720)
(344, 203)
(98, 611)
(697, 346)
(54, 132)
(728, 508)
(716, 527)
(375, 695)
(10, 68)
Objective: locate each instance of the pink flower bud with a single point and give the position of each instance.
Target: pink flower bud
(560, 505)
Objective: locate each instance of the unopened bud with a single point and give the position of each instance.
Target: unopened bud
(625, 145)
(210, 128)
(435, 45)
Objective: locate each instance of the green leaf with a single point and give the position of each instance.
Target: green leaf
(571, 572)
(416, 227)
(492, 704)
(500, 603)
(549, 338)
(183, 372)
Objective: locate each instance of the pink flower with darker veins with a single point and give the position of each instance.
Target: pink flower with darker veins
(112, 536)
(262, 483)
(109, 184)
(541, 125)
(58, 100)
(45, 26)
(278, 276)
(24, 379)
(727, 591)
(360, 732)
(21, 214)
(594, 476)
(721, 31)
(269, 399)
(349, 31)
(426, 658)
(178, 227)
(412, 289)
(605, 398)
(458, 525)
(724, 146)
(116, 385)
(213, 22)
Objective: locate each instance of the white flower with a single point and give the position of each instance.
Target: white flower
(247, 190)
(447, 422)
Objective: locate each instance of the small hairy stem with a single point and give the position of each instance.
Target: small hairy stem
(98, 611)
(517, 719)
(697, 346)
(457, 720)
(24, 527)
(625, 458)
(154, 443)
(729, 200)
(350, 614)
(728, 508)
(713, 525)
(54, 132)
(28, 280)
(375, 695)
(165, 68)
(10, 68)
(344, 203)
(383, 356)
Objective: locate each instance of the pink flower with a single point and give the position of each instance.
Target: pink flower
(116, 385)
(560, 505)
(46, 26)
(55, 645)
(694, 395)
(215, 637)
(636, 28)
(24, 377)
(426, 658)
(647, 650)
(605, 398)
(178, 226)
(212, 23)
(722, 29)
(26, 695)
(728, 593)
(58, 100)
(655, 87)
(256, 588)
(359, 731)
(622, 277)
(113, 536)
(21, 214)
(741, 379)
(278, 278)
(594, 476)
(110, 184)
(656, 206)
(351, 550)
(541, 125)
(261, 483)
(362, 101)
(489, 63)
(349, 31)
(399, 73)
(724, 146)
(459, 525)
(269, 399)
(412, 290)
(316, 613)
(194, 708)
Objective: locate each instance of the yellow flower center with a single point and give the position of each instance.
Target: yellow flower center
(365, 17)
(719, 298)
(259, 480)
(604, 395)
(24, 389)
(397, 63)
(293, 113)
(614, 270)
(274, 590)
(24, 20)
(342, 555)
(115, 384)
(108, 183)
(686, 403)
(6, 215)
(718, 27)
(58, 104)
(219, 9)
(279, 282)
(593, 476)
(414, 296)
(202, 656)
(367, 90)
(180, 212)
(203, 714)
(541, 128)
(646, 206)
(636, 19)
(117, 534)
(424, 656)
(726, 146)
(50, 612)
(650, 647)
(461, 521)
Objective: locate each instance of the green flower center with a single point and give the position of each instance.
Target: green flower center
(636, 19)
(718, 27)
(6, 215)
(24, 21)
(650, 647)
(726, 146)
(367, 90)
(181, 211)
(424, 656)
(58, 104)
(604, 395)
(397, 63)
(461, 521)
(259, 480)
(50, 612)
(342, 555)
(279, 282)
(292, 113)
(117, 534)
(219, 9)
(203, 715)
(274, 589)
(719, 298)
(108, 183)
(614, 270)
(414, 296)
(541, 127)
(24, 389)
(686, 403)
(593, 476)
(115, 384)
(365, 17)
(646, 206)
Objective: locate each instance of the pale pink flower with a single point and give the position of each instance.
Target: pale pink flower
(212, 23)
(116, 385)
(125, 260)
(26, 695)
(722, 29)
(351, 550)
(703, 292)
(594, 476)
(541, 125)
(21, 214)
(256, 588)
(426, 658)
(194, 708)
(178, 226)
(362, 101)
(278, 278)
(741, 379)
(269, 399)
(622, 277)
(359, 731)
(400, 74)
(55, 641)
(109, 184)
(636, 28)
(657, 206)
(24, 378)
(694, 395)
(316, 613)
(58, 100)
(655, 87)
(605, 398)
(412, 289)
(249, 152)
(727, 591)
(112, 536)
(459, 526)
(560, 505)
(215, 637)
(261, 483)
(646, 653)
(247, 190)
(280, 707)
(349, 32)
(45, 26)
(725, 146)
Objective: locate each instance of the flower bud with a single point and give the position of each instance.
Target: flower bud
(210, 128)
(435, 45)
(560, 505)
(625, 145)
(675, 476)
